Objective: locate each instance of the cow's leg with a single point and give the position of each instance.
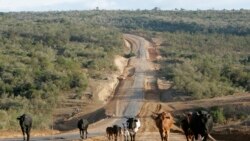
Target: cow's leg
(167, 135)
(164, 137)
(115, 137)
(81, 134)
(23, 131)
(205, 137)
(196, 136)
(160, 131)
(86, 133)
(125, 138)
(187, 137)
(28, 133)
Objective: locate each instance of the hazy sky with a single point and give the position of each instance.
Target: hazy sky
(47, 5)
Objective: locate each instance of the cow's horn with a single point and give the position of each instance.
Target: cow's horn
(211, 138)
(155, 113)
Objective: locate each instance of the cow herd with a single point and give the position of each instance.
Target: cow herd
(195, 125)
(127, 131)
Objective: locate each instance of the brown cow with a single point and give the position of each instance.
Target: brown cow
(164, 121)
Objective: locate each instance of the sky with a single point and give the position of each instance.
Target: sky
(65, 5)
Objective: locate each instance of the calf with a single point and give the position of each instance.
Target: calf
(164, 121)
(25, 122)
(83, 127)
(133, 125)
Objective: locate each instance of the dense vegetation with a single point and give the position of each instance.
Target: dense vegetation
(207, 65)
(224, 114)
(44, 56)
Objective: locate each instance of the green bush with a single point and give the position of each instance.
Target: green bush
(218, 114)
(4, 119)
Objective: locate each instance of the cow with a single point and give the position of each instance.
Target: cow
(25, 122)
(125, 132)
(164, 122)
(110, 133)
(83, 127)
(116, 129)
(198, 125)
(133, 125)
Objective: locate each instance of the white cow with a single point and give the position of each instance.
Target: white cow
(133, 125)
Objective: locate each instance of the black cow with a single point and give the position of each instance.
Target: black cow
(115, 131)
(198, 124)
(185, 125)
(25, 122)
(110, 133)
(133, 125)
(83, 127)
